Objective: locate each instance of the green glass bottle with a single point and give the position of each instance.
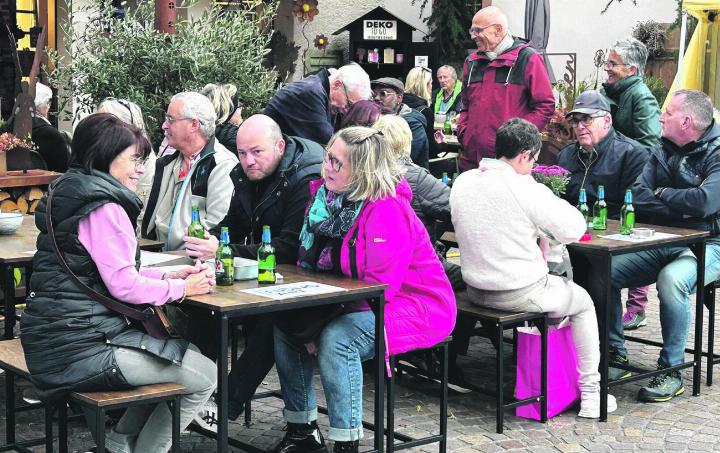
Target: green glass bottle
(224, 268)
(447, 127)
(195, 229)
(266, 259)
(584, 209)
(600, 211)
(627, 215)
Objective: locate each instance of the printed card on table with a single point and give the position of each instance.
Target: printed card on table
(292, 290)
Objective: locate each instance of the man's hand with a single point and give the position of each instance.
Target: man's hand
(439, 137)
(201, 248)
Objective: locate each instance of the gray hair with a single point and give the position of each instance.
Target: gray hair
(127, 111)
(632, 52)
(698, 105)
(221, 97)
(453, 72)
(197, 106)
(43, 95)
(355, 79)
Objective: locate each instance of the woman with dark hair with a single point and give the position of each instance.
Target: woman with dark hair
(362, 113)
(71, 341)
(359, 223)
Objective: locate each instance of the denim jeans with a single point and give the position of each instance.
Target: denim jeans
(675, 271)
(343, 345)
(148, 428)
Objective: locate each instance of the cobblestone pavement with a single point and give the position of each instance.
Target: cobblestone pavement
(686, 423)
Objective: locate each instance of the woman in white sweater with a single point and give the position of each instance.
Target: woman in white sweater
(499, 212)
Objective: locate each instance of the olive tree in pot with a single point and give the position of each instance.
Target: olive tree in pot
(127, 58)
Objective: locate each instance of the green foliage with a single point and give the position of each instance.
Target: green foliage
(657, 88)
(566, 94)
(128, 58)
(449, 23)
(653, 35)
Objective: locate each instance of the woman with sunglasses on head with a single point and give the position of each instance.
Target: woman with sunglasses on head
(362, 200)
(418, 89)
(228, 109)
(130, 113)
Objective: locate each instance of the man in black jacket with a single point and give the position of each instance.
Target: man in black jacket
(679, 187)
(601, 155)
(271, 188)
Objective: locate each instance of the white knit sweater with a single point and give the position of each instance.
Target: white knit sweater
(498, 216)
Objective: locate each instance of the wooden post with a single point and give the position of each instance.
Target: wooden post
(165, 16)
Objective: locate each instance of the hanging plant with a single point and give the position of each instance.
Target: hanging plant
(305, 10)
(321, 41)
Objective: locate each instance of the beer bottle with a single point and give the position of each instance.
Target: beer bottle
(224, 268)
(627, 214)
(584, 209)
(195, 229)
(600, 211)
(266, 259)
(447, 126)
(445, 178)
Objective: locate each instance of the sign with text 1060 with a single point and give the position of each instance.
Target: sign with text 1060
(380, 29)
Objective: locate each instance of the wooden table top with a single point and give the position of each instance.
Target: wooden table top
(20, 247)
(233, 298)
(18, 178)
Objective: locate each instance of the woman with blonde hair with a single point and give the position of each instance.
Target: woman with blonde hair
(362, 203)
(228, 109)
(418, 89)
(129, 112)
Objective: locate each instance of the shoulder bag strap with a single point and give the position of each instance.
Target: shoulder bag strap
(96, 296)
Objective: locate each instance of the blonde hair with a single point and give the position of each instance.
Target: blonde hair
(127, 111)
(397, 134)
(221, 97)
(417, 82)
(374, 169)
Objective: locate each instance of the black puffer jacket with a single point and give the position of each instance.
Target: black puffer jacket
(281, 205)
(615, 163)
(415, 102)
(691, 177)
(226, 133)
(431, 198)
(68, 337)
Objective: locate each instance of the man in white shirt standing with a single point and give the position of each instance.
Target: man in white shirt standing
(499, 212)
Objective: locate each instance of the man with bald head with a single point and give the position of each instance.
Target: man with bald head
(505, 78)
(271, 187)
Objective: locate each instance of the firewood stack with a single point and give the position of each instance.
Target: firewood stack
(23, 200)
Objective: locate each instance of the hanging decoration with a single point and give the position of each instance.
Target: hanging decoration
(305, 10)
(321, 41)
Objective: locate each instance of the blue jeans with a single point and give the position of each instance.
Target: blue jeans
(675, 271)
(343, 345)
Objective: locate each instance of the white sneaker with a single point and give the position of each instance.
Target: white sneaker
(206, 418)
(590, 405)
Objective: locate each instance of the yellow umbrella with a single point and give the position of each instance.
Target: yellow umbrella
(690, 73)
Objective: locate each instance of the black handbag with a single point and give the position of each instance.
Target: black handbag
(151, 318)
(306, 324)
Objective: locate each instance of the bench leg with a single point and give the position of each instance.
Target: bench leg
(543, 367)
(500, 377)
(175, 408)
(390, 433)
(444, 355)
(100, 429)
(9, 407)
(48, 409)
(710, 304)
(62, 428)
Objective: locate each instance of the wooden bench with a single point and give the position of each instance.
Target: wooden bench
(503, 320)
(12, 360)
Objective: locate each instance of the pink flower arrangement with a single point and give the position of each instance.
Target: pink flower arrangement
(9, 141)
(553, 176)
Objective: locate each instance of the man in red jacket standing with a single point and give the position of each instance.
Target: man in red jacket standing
(505, 78)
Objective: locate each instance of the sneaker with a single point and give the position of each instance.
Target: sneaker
(663, 387)
(590, 405)
(617, 358)
(346, 447)
(632, 321)
(206, 418)
(302, 438)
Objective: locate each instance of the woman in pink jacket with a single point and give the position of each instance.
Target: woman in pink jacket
(362, 195)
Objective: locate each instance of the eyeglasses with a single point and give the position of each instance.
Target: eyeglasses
(170, 120)
(423, 68)
(383, 93)
(612, 64)
(348, 103)
(334, 163)
(478, 30)
(586, 120)
(534, 156)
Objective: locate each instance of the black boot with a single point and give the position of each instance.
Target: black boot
(346, 447)
(302, 438)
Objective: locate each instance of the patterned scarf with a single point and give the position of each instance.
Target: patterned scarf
(327, 221)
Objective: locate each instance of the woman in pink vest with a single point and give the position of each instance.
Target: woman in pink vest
(362, 200)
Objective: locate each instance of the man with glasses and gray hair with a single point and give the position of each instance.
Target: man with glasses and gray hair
(312, 108)
(601, 155)
(636, 114)
(505, 78)
(197, 173)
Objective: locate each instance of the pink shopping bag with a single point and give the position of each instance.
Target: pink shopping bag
(562, 372)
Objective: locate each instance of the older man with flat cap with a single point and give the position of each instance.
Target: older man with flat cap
(388, 93)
